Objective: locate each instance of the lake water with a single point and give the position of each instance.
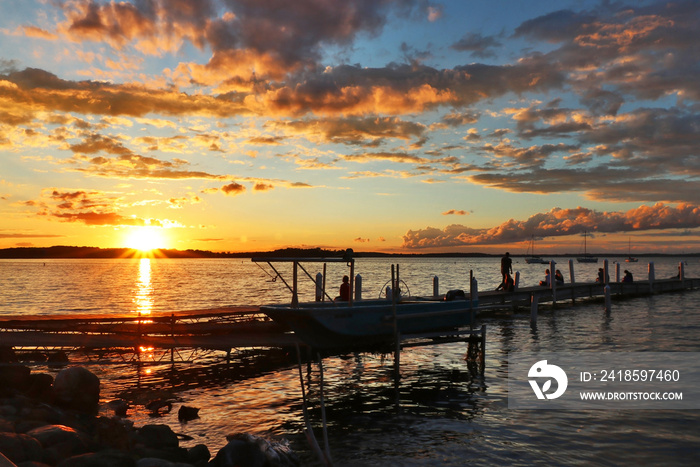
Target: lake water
(441, 412)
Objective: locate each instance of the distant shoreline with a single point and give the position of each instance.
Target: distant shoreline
(83, 252)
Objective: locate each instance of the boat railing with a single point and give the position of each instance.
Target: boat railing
(294, 287)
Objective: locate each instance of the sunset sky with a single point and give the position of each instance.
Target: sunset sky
(398, 126)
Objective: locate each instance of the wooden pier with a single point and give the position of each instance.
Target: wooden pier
(568, 293)
(143, 338)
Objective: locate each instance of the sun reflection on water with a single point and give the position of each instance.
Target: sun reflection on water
(144, 292)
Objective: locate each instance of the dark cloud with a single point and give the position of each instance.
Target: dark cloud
(478, 45)
(455, 212)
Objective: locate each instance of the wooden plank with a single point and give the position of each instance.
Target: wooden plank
(117, 317)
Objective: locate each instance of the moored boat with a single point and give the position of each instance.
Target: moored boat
(356, 323)
(326, 325)
(630, 258)
(534, 259)
(586, 258)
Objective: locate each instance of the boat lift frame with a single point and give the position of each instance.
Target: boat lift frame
(294, 288)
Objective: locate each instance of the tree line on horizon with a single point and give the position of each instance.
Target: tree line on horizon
(85, 252)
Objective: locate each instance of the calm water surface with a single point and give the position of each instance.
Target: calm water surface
(441, 413)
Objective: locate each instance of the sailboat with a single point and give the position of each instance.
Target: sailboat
(534, 259)
(630, 259)
(586, 258)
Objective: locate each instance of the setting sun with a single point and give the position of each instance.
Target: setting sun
(146, 238)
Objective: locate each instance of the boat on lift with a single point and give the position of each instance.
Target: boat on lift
(334, 324)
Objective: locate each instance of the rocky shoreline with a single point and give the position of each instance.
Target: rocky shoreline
(54, 422)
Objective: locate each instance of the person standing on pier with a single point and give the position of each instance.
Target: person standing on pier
(506, 267)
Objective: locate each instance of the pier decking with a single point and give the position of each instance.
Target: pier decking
(563, 293)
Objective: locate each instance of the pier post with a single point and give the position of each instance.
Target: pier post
(517, 280)
(608, 302)
(553, 282)
(606, 272)
(473, 298)
(436, 286)
(533, 309)
(319, 287)
(617, 272)
(572, 279)
(571, 272)
(651, 277)
(358, 287)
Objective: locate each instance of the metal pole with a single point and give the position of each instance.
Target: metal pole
(352, 280)
(295, 296)
(324, 283)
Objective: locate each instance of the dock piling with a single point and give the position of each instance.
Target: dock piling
(572, 279)
(436, 286)
(319, 287)
(681, 272)
(358, 287)
(553, 282)
(651, 277)
(606, 272)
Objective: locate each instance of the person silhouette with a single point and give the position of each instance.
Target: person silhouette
(345, 289)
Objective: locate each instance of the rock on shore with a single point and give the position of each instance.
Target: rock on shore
(54, 423)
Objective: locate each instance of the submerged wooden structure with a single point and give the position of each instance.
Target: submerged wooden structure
(156, 337)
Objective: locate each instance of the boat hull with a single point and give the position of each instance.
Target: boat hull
(326, 325)
(587, 260)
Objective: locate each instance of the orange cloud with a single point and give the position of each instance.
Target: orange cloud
(89, 207)
(233, 189)
(558, 222)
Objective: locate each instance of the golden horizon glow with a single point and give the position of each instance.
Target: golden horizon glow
(146, 239)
